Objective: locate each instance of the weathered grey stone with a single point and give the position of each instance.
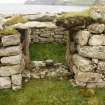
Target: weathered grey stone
(81, 63)
(5, 82)
(97, 40)
(82, 37)
(91, 85)
(10, 70)
(15, 87)
(11, 40)
(35, 75)
(15, 50)
(49, 62)
(38, 64)
(101, 66)
(97, 52)
(96, 28)
(11, 60)
(95, 61)
(100, 84)
(17, 79)
(26, 74)
(88, 77)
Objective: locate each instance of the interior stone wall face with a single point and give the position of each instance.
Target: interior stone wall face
(86, 55)
(45, 35)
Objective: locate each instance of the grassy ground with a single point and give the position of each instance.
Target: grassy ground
(44, 92)
(55, 51)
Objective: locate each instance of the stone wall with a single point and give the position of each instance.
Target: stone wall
(47, 69)
(44, 35)
(11, 62)
(86, 55)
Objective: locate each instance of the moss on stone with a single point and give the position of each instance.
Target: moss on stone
(8, 31)
(15, 20)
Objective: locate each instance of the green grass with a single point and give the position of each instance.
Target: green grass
(44, 92)
(55, 51)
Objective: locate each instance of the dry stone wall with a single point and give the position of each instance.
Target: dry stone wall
(87, 60)
(45, 35)
(11, 62)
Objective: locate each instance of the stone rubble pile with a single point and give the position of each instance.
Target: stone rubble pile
(11, 62)
(88, 58)
(47, 70)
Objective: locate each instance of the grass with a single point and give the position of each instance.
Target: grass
(74, 14)
(44, 92)
(55, 51)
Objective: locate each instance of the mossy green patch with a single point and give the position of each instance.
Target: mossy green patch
(8, 31)
(15, 20)
(55, 51)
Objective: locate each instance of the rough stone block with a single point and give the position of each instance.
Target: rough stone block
(17, 79)
(12, 60)
(97, 52)
(97, 40)
(88, 77)
(81, 63)
(82, 37)
(96, 28)
(10, 70)
(9, 51)
(11, 40)
(5, 82)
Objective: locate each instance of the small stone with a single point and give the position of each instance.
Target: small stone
(5, 82)
(49, 62)
(15, 87)
(38, 64)
(96, 28)
(17, 79)
(95, 61)
(82, 37)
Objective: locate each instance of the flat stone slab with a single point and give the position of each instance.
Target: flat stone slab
(11, 40)
(12, 60)
(88, 77)
(15, 50)
(10, 70)
(97, 52)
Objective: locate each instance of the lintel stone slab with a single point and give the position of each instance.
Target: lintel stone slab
(11, 40)
(97, 52)
(9, 51)
(11, 60)
(10, 70)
